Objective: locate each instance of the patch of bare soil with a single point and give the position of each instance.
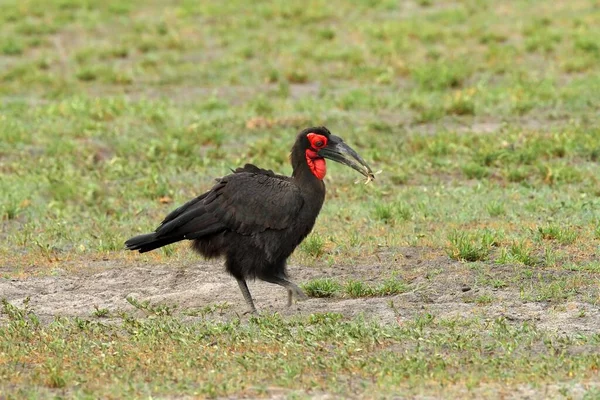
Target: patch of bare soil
(437, 285)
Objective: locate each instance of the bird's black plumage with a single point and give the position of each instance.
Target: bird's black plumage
(254, 217)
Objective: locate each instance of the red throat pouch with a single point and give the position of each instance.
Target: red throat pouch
(316, 164)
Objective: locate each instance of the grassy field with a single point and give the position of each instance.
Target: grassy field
(481, 115)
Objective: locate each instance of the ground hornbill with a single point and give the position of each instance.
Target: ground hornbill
(256, 218)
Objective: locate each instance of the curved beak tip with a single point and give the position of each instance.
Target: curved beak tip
(371, 176)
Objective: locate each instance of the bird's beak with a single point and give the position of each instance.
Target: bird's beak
(339, 151)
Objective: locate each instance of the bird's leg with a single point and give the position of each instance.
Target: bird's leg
(247, 296)
(292, 288)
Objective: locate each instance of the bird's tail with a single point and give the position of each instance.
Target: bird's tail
(148, 242)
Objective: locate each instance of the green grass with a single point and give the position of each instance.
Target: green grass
(519, 252)
(481, 115)
(321, 287)
(328, 287)
(121, 126)
(354, 288)
(484, 299)
(555, 232)
(313, 245)
(162, 355)
(592, 267)
(471, 247)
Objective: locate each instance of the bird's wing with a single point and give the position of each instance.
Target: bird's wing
(250, 200)
(256, 170)
(194, 207)
(180, 210)
(253, 200)
(190, 221)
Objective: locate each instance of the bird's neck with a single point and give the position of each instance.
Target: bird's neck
(308, 169)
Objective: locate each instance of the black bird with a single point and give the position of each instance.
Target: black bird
(256, 218)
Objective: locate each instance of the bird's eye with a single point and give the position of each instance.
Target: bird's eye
(316, 141)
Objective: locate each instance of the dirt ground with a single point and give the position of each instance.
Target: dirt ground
(437, 285)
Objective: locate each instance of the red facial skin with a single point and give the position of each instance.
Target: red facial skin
(315, 162)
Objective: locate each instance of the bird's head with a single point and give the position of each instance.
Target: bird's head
(318, 144)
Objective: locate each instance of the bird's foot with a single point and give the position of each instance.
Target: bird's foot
(247, 297)
(300, 296)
